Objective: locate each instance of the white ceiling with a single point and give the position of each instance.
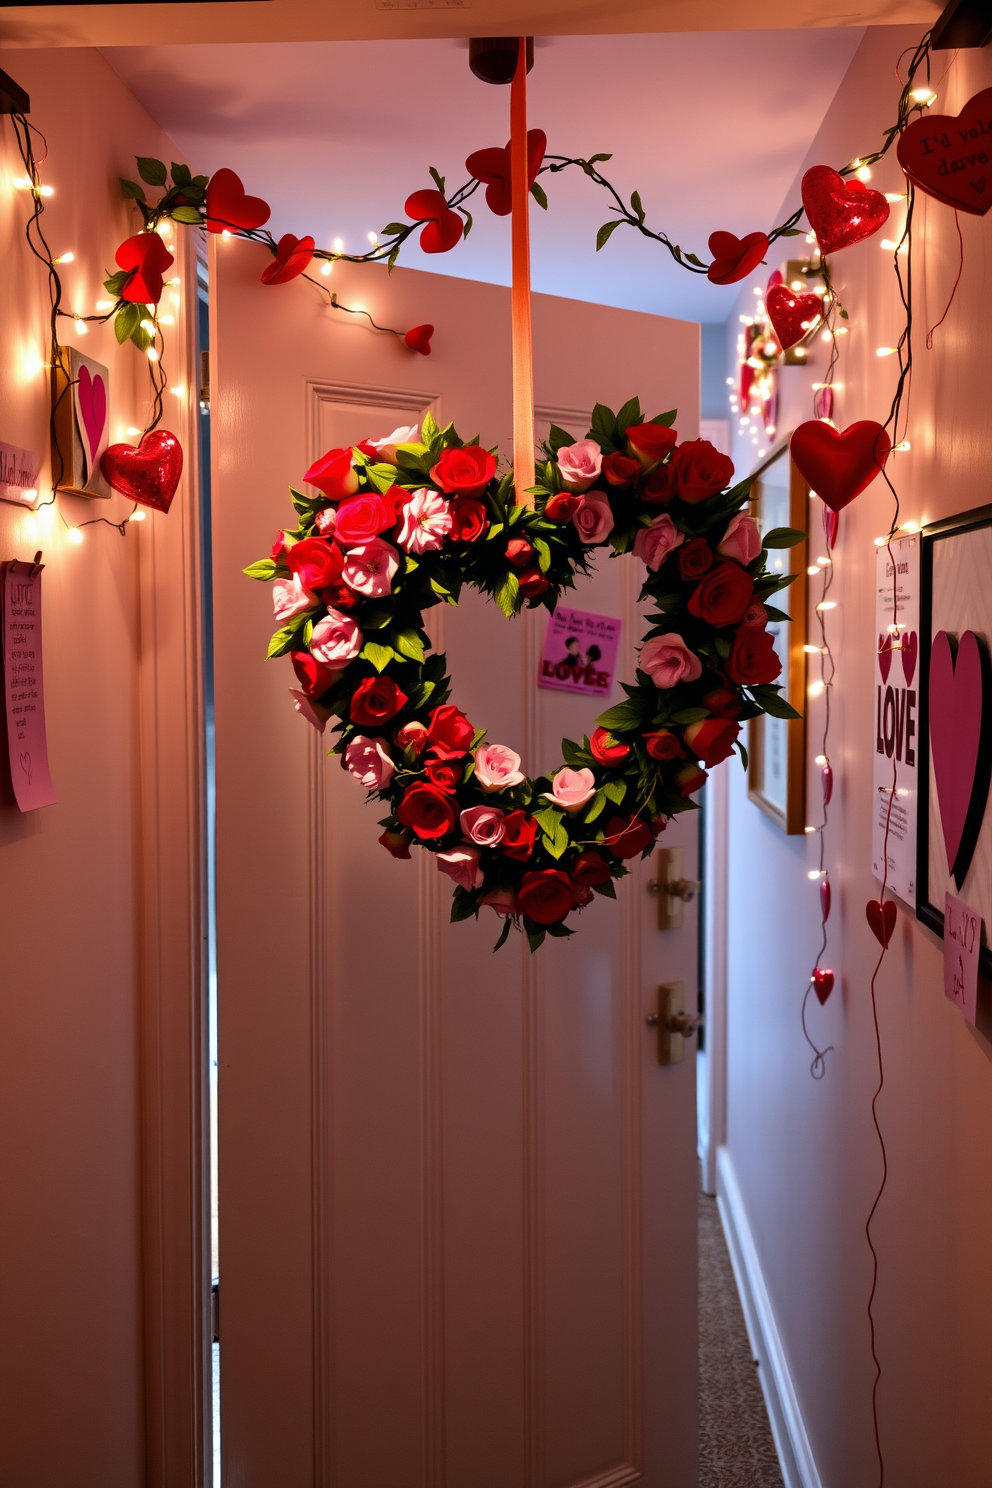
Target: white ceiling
(710, 127)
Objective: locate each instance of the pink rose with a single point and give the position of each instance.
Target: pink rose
(369, 569)
(503, 901)
(755, 616)
(741, 541)
(580, 464)
(385, 449)
(653, 544)
(497, 767)
(593, 517)
(482, 824)
(462, 864)
(291, 597)
(311, 711)
(368, 762)
(336, 639)
(572, 789)
(667, 660)
(426, 522)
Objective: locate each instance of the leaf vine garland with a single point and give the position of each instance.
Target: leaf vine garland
(403, 523)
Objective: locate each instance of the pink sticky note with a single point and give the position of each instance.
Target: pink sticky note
(962, 942)
(580, 652)
(24, 687)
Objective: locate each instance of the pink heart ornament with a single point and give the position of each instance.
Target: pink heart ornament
(960, 707)
(93, 407)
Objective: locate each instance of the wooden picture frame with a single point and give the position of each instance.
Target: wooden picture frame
(76, 450)
(955, 562)
(776, 775)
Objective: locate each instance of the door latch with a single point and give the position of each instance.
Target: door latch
(673, 1023)
(673, 889)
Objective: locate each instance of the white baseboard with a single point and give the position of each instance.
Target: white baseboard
(788, 1428)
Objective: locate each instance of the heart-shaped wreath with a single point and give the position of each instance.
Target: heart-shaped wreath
(403, 522)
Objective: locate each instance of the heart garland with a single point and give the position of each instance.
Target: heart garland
(444, 227)
(145, 259)
(292, 257)
(401, 524)
(882, 919)
(228, 208)
(949, 157)
(492, 168)
(793, 316)
(839, 464)
(841, 212)
(147, 473)
(733, 257)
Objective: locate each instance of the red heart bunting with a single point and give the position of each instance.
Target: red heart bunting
(734, 258)
(823, 983)
(292, 256)
(882, 919)
(419, 339)
(838, 464)
(492, 168)
(792, 315)
(149, 258)
(951, 157)
(147, 473)
(228, 206)
(444, 227)
(841, 212)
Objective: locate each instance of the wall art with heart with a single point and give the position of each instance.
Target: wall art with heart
(954, 670)
(896, 706)
(81, 425)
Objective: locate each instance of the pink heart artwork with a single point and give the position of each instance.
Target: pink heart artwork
(93, 407)
(885, 656)
(960, 707)
(909, 651)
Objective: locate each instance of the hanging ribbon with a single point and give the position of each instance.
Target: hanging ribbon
(523, 360)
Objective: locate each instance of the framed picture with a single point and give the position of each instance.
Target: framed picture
(776, 778)
(81, 424)
(954, 832)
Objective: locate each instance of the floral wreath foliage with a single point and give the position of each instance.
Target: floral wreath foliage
(402, 523)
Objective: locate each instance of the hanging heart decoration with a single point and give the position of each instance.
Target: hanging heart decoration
(950, 157)
(827, 783)
(838, 464)
(882, 919)
(444, 227)
(403, 523)
(733, 257)
(823, 983)
(229, 209)
(825, 899)
(841, 212)
(793, 316)
(292, 257)
(145, 258)
(960, 708)
(418, 338)
(147, 473)
(492, 168)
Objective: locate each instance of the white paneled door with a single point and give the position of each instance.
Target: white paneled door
(457, 1232)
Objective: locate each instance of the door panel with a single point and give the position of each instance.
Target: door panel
(456, 1190)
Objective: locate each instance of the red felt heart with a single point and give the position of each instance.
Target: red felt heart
(884, 656)
(960, 707)
(419, 339)
(492, 168)
(825, 899)
(882, 919)
(792, 315)
(823, 983)
(841, 212)
(228, 206)
(147, 473)
(909, 650)
(147, 257)
(827, 781)
(734, 258)
(831, 521)
(292, 256)
(838, 464)
(951, 157)
(444, 227)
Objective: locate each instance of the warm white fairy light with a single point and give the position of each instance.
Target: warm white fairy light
(888, 246)
(925, 96)
(149, 326)
(902, 446)
(75, 536)
(167, 320)
(137, 516)
(813, 650)
(179, 390)
(64, 258)
(827, 604)
(133, 431)
(152, 354)
(81, 325)
(884, 351)
(326, 267)
(104, 305)
(864, 174)
(815, 873)
(338, 245)
(815, 688)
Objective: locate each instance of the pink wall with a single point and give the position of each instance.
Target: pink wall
(805, 1153)
(81, 1019)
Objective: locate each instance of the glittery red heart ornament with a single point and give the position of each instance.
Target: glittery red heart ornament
(292, 256)
(147, 473)
(841, 212)
(228, 207)
(951, 158)
(444, 227)
(792, 315)
(839, 463)
(149, 258)
(418, 338)
(823, 983)
(734, 258)
(492, 168)
(882, 919)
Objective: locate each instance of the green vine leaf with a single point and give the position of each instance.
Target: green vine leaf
(264, 569)
(131, 189)
(538, 193)
(187, 214)
(151, 170)
(126, 322)
(606, 232)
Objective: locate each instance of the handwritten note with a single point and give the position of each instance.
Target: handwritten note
(19, 475)
(580, 652)
(24, 687)
(962, 942)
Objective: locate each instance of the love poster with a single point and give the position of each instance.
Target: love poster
(580, 652)
(896, 642)
(24, 687)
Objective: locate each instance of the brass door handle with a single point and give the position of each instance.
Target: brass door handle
(672, 888)
(683, 1023)
(673, 1024)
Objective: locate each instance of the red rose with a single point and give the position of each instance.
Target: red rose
(449, 732)
(412, 736)
(314, 677)
(663, 745)
(375, 701)
(280, 548)
(589, 869)
(650, 442)
(561, 506)
(339, 597)
(723, 595)
(426, 810)
(532, 582)
(464, 471)
(626, 836)
(445, 774)
(397, 843)
(712, 739)
(546, 896)
(519, 552)
(690, 779)
(723, 702)
(752, 658)
(606, 750)
(620, 470)
(334, 474)
(317, 561)
(361, 518)
(660, 486)
(519, 835)
(701, 470)
(468, 520)
(695, 557)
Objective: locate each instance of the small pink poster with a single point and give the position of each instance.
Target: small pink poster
(580, 652)
(962, 942)
(24, 687)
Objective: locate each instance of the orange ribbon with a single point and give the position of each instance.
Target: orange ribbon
(523, 355)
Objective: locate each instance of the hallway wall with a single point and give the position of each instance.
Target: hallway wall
(804, 1153)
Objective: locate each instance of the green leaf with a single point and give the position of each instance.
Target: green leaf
(666, 420)
(152, 171)
(264, 569)
(635, 202)
(192, 215)
(392, 228)
(284, 639)
(181, 175)
(774, 613)
(743, 751)
(783, 537)
(430, 431)
(131, 189)
(464, 904)
(506, 594)
(126, 322)
(606, 232)
(538, 193)
(535, 939)
(776, 705)
(615, 790)
(556, 842)
(543, 553)
(114, 283)
(559, 438)
(622, 716)
(597, 806)
(381, 476)
(629, 414)
(438, 180)
(409, 644)
(468, 220)
(379, 656)
(507, 922)
(690, 715)
(691, 258)
(594, 158)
